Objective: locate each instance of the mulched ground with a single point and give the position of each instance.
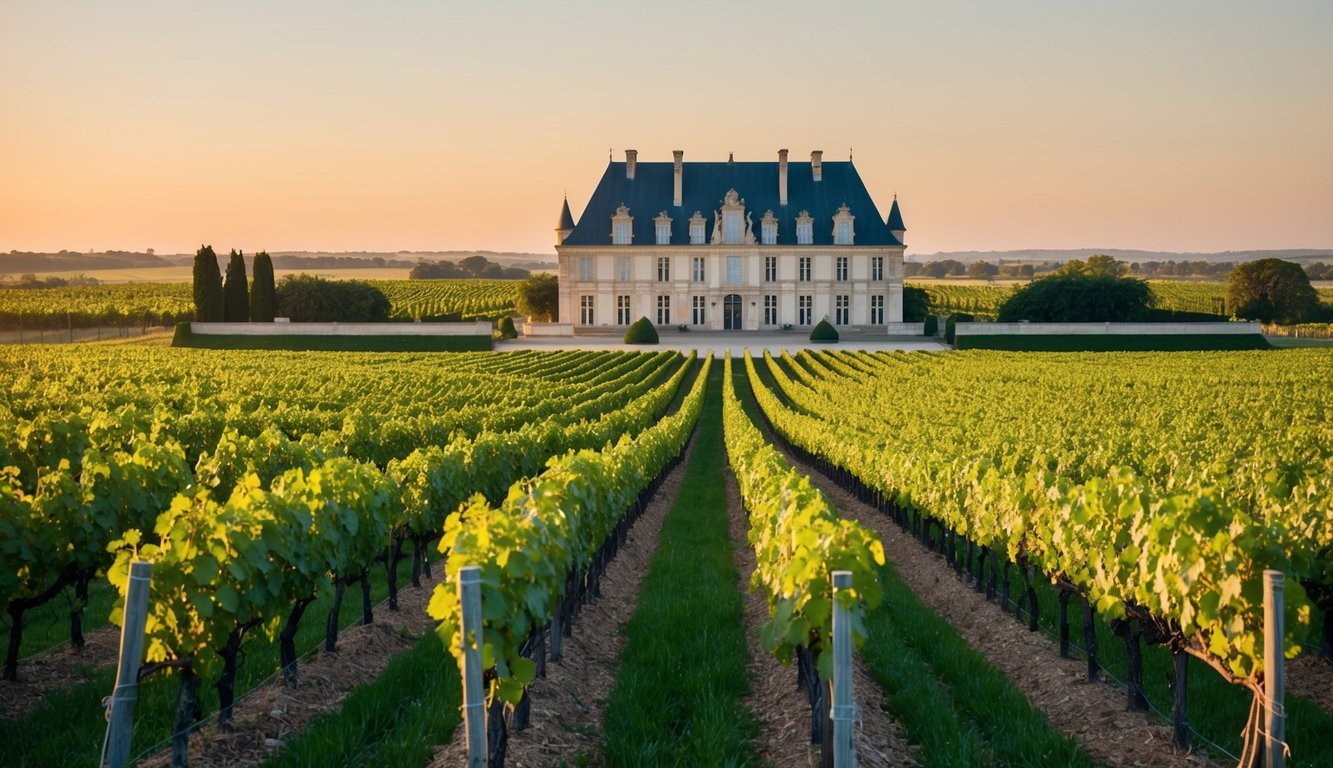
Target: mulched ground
(781, 708)
(58, 671)
(1094, 713)
(271, 713)
(567, 705)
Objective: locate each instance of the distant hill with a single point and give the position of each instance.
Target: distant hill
(21, 262)
(1037, 256)
(405, 259)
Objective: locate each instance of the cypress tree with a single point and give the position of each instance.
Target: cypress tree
(207, 286)
(235, 294)
(262, 294)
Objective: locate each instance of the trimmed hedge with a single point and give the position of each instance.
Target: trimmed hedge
(953, 320)
(932, 325)
(184, 337)
(641, 332)
(824, 332)
(1115, 342)
(507, 329)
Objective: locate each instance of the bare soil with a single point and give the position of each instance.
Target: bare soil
(271, 713)
(1311, 677)
(58, 671)
(1094, 713)
(780, 706)
(567, 705)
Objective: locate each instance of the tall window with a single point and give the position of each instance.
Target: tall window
(876, 267)
(804, 309)
(842, 268)
(768, 229)
(770, 310)
(623, 273)
(734, 232)
(699, 273)
(585, 310)
(804, 263)
(697, 224)
(841, 310)
(843, 234)
(663, 310)
(734, 268)
(697, 312)
(622, 226)
(770, 269)
(877, 310)
(622, 310)
(663, 269)
(662, 228)
(805, 229)
(585, 267)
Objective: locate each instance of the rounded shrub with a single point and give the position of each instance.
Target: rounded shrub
(641, 332)
(507, 329)
(824, 332)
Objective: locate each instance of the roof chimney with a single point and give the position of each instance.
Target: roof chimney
(631, 159)
(817, 164)
(782, 176)
(679, 154)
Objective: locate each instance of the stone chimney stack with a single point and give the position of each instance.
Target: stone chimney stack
(679, 154)
(816, 164)
(782, 176)
(631, 159)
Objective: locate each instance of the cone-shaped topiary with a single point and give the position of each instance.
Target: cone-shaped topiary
(507, 330)
(235, 293)
(824, 332)
(642, 332)
(263, 299)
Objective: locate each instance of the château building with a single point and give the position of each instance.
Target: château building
(731, 246)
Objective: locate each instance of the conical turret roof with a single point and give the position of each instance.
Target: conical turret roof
(566, 218)
(895, 221)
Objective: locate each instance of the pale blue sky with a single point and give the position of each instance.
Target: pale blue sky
(415, 125)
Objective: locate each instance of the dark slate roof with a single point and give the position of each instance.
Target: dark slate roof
(566, 218)
(705, 184)
(895, 216)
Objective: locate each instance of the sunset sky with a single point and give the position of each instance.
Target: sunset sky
(1187, 126)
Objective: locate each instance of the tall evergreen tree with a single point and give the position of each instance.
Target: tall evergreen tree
(262, 295)
(208, 307)
(235, 293)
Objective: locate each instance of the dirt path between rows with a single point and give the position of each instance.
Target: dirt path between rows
(270, 714)
(1093, 713)
(59, 670)
(567, 705)
(779, 705)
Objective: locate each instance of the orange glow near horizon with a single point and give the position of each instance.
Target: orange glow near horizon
(334, 126)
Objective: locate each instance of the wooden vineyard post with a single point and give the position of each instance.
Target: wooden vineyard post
(842, 715)
(120, 714)
(474, 699)
(1275, 712)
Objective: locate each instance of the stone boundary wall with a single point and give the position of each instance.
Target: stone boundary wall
(548, 329)
(1106, 329)
(482, 328)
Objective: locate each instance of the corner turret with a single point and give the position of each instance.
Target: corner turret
(895, 222)
(566, 224)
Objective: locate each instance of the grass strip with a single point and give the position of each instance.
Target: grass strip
(677, 697)
(67, 728)
(395, 720)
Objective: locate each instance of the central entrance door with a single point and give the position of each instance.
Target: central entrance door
(731, 313)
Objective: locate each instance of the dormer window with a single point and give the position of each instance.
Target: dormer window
(805, 229)
(662, 226)
(768, 229)
(697, 225)
(843, 234)
(733, 225)
(622, 226)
